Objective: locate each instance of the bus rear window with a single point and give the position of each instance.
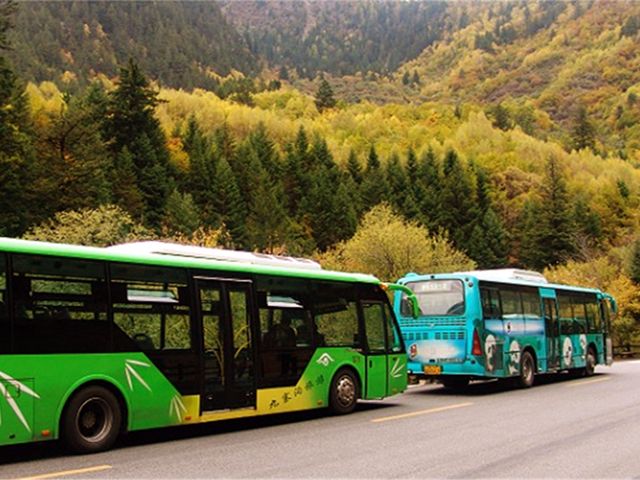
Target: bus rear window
(439, 297)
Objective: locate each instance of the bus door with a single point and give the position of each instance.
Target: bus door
(376, 358)
(228, 367)
(552, 328)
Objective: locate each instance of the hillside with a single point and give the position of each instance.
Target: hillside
(337, 37)
(181, 44)
(549, 58)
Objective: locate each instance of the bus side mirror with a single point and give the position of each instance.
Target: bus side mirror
(413, 306)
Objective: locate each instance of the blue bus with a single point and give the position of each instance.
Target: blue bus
(504, 323)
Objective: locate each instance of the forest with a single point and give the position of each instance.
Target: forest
(261, 157)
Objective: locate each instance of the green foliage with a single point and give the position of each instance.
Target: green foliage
(324, 96)
(634, 270)
(387, 246)
(548, 231)
(99, 227)
(131, 124)
(75, 40)
(583, 132)
(181, 215)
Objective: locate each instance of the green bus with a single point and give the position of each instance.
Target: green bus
(95, 342)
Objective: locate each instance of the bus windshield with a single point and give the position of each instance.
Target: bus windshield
(439, 297)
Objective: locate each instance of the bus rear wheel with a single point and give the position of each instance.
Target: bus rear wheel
(590, 362)
(344, 392)
(91, 420)
(527, 371)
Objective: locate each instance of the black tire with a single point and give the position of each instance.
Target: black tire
(590, 362)
(344, 392)
(91, 420)
(455, 382)
(527, 371)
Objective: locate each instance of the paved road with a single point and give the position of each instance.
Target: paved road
(569, 428)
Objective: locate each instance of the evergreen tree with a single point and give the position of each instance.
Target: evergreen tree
(181, 215)
(398, 185)
(131, 123)
(634, 270)
(16, 147)
(557, 230)
(501, 117)
(71, 149)
(588, 224)
(583, 134)
(405, 78)
(411, 207)
(228, 204)
(353, 168)
(427, 190)
(550, 229)
(457, 210)
(125, 189)
(269, 227)
(324, 96)
(415, 80)
(374, 189)
(530, 251)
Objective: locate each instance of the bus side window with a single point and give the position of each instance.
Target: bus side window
(490, 303)
(58, 306)
(151, 310)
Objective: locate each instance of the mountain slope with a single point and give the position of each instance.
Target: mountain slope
(555, 56)
(182, 44)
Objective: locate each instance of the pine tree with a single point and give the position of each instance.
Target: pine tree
(398, 185)
(583, 134)
(634, 270)
(324, 96)
(125, 189)
(549, 228)
(228, 204)
(557, 228)
(457, 209)
(131, 123)
(17, 155)
(181, 215)
(374, 189)
(353, 168)
(501, 117)
(427, 190)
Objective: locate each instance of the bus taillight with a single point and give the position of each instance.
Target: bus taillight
(476, 349)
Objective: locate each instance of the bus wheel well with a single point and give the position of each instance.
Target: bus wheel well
(532, 352)
(113, 389)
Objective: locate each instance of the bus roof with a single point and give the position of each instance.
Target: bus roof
(210, 262)
(504, 276)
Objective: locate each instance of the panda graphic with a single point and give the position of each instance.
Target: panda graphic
(583, 346)
(514, 357)
(567, 352)
(490, 353)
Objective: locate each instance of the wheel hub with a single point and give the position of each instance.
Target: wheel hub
(346, 391)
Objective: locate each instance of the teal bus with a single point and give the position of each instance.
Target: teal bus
(95, 342)
(504, 323)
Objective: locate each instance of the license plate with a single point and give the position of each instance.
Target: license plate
(432, 369)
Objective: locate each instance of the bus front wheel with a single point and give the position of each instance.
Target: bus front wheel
(344, 392)
(527, 370)
(91, 420)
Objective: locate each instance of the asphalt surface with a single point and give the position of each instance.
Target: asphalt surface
(561, 428)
